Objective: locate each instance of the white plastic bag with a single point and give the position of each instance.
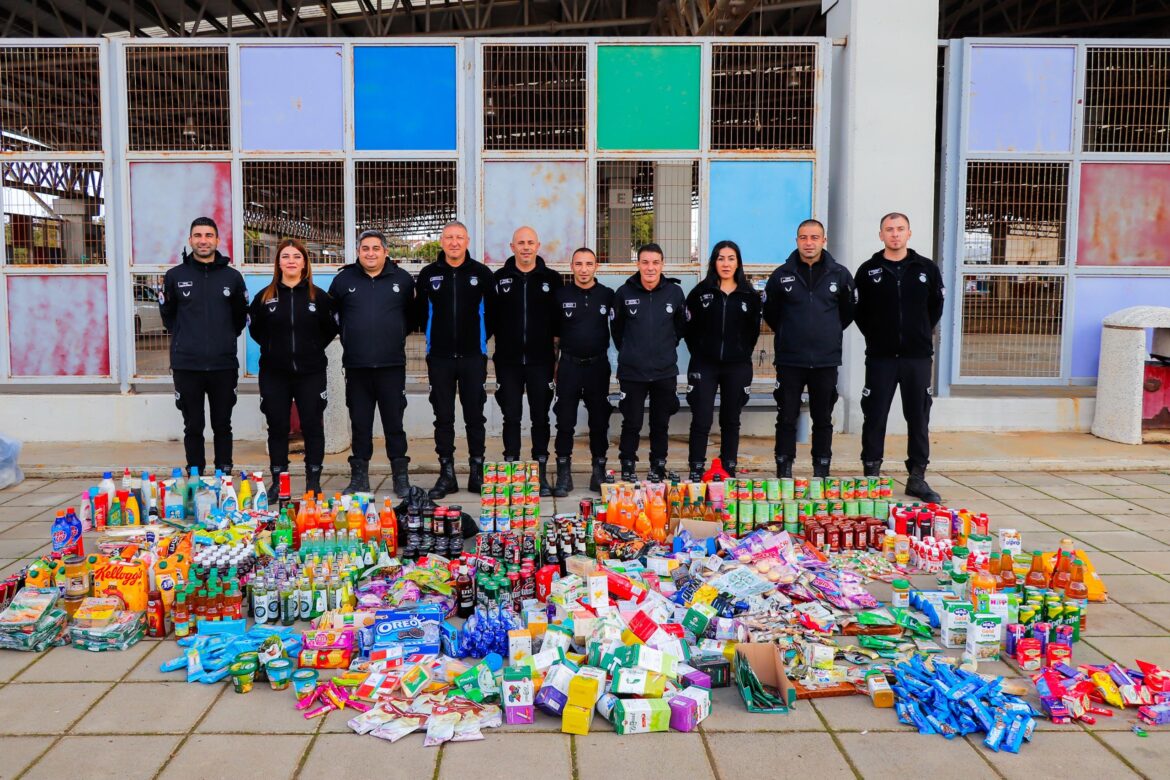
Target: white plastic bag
(10, 473)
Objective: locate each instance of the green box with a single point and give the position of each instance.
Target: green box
(648, 97)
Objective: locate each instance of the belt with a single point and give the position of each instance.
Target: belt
(580, 361)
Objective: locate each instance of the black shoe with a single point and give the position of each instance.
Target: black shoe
(729, 467)
(628, 473)
(274, 489)
(446, 483)
(312, 479)
(821, 467)
(916, 486)
(542, 466)
(511, 458)
(359, 476)
(657, 471)
(696, 474)
(475, 475)
(784, 468)
(598, 475)
(872, 468)
(225, 470)
(400, 468)
(564, 484)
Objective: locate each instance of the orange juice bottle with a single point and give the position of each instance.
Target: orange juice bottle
(302, 521)
(642, 526)
(388, 525)
(982, 584)
(354, 519)
(656, 511)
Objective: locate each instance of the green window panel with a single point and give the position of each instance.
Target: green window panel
(648, 97)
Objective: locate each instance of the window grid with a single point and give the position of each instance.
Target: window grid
(178, 98)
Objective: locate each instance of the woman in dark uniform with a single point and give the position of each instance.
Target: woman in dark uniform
(723, 324)
(292, 321)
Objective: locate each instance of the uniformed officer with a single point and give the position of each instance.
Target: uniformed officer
(899, 302)
(292, 321)
(723, 325)
(582, 329)
(374, 299)
(525, 291)
(649, 319)
(808, 302)
(204, 306)
(455, 299)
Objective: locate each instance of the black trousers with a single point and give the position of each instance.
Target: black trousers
(882, 376)
(219, 388)
(733, 381)
(384, 388)
(586, 379)
(513, 382)
(465, 375)
(822, 396)
(278, 390)
(663, 403)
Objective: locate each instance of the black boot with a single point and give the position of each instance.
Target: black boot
(274, 489)
(545, 488)
(916, 486)
(598, 475)
(872, 468)
(821, 467)
(312, 479)
(696, 474)
(729, 467)
(564, 484)
(446, 483)
(784, 468)
(400, 468)
(628, 473)
(475, 476)
(657, 471)
(359, 476)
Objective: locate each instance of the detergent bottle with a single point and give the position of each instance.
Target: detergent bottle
(173, 498)
(228, 500)
(260, 502)
(245, 492)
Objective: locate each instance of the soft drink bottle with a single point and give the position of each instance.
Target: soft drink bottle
(1077, 591)
(1036, 576)
(388, 526)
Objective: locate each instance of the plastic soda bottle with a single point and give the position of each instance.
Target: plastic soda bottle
(1036, 576)
(1077, 591)
(388, 527)
(1062, 574)
(982, 584)
(1007, 573)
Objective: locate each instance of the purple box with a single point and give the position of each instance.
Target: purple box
(693, 677)
(551, 701)
(689, 708)
(519, 715)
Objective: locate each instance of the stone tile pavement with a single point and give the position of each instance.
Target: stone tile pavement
(115, 715)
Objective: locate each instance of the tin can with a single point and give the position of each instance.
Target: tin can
(886, 487)
(791, 512)
(832, 487)
(800, 488)
(836, 507)
(758, 491)
(787, 489)
(816, 489)
(848, 488)
(852, 507)
(805, 511)
(772, 489)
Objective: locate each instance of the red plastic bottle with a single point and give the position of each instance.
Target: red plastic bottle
(156, 616)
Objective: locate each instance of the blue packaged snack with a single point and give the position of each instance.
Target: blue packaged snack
(416, 630)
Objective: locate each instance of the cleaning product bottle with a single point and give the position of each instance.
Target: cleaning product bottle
(228, 500)
(191, 488)
(106, 487)
(118, 509)
(260, 502)
(133, 512)
(173, 498)
(245, 492)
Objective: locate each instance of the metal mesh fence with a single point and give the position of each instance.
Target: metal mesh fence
(763, 96)
(297, 199)
(152, 343)
(177, 98)
(50, 99)
(762, 365)
(54, 213)
(641, 201)
(1012, 325)
(1127, 99)
(1016, 213)
(409, 201)
(534, 97)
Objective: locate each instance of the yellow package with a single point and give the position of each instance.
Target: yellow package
(1097, 590)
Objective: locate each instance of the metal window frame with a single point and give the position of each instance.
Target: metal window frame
(956, 156)
(111, 269)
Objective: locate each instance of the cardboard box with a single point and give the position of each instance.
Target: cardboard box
(519, 645)
(689, 708)
(716, 667)
(984, 637)
(766, 663)
(955, 618)
(517, 694)
(638, 682)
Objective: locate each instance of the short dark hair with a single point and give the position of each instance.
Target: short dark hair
(811, 221)
(893, 215)
(203, 222)
(583, 249)
(651, 247)
(371, 233)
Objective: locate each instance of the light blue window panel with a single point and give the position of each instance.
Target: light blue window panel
(758, 205)
(1021, 99)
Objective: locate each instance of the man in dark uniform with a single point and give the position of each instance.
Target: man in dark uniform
(808, 302)
(454, 302)
(373, 299)
(899, 303)
(582, 329)
(649, 320)
(204, 306)
(524, 293)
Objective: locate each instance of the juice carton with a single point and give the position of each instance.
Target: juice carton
(519, 644)
(577, 720)
(640, 716)
(517, 695)
(689, 708)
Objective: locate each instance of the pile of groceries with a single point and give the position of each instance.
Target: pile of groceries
(414, 617)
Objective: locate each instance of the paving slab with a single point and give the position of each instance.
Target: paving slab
(504, 756)
(1153, 561)
(1157, 505)
(1065, 490)
(857, 713)
(1067, 524)
(1097, 478)
(21, 548)
(148, 708)
(981, 480)
(342, 756)
(114, 757)
(263, 711)
(69, 664)
(29, 529)
(1124, 649)
(19, 752)
(1058, 754)
(238, 755)
(1155, 478)
(13, 662)
(17, 514)
(605, 756)
(1120, 541)
(801, 755)
(1156, 613)
(728, 713)
(1134, 491)
(1012, 492)
(147, 669)
(1106, 564)
(1149, 755)
(1112, 619)
(1137, 589)
(1045, 506)
(45, 498)
(1144, 523)
(871, 756)
(45, 708)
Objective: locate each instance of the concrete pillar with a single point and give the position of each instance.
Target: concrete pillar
(672, 208)
(619, 210)
(337, 431)
(883, 143)
(74, 212)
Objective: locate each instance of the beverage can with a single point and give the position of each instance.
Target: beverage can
(772, 489)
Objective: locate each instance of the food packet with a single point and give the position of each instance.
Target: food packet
(396, 729)
(440, 728)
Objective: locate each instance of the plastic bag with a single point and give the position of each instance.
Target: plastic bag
(10, 473)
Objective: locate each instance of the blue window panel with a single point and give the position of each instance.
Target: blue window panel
(291, 98)
(404, 97)
(1021, 99)
(254, 284)
(759, 205)
(1097, 298)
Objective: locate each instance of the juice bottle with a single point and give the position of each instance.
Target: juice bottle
(642, 526)
(656, 511)
(1007, 573)
(354, 519)
(982, 584)
(1036, 576)
(1062, 574)
(1077, 591)
(388, 528)
(181, 615)
(993, 569)
(371, 523)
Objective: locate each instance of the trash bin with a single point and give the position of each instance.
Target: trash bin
(1122, 372)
